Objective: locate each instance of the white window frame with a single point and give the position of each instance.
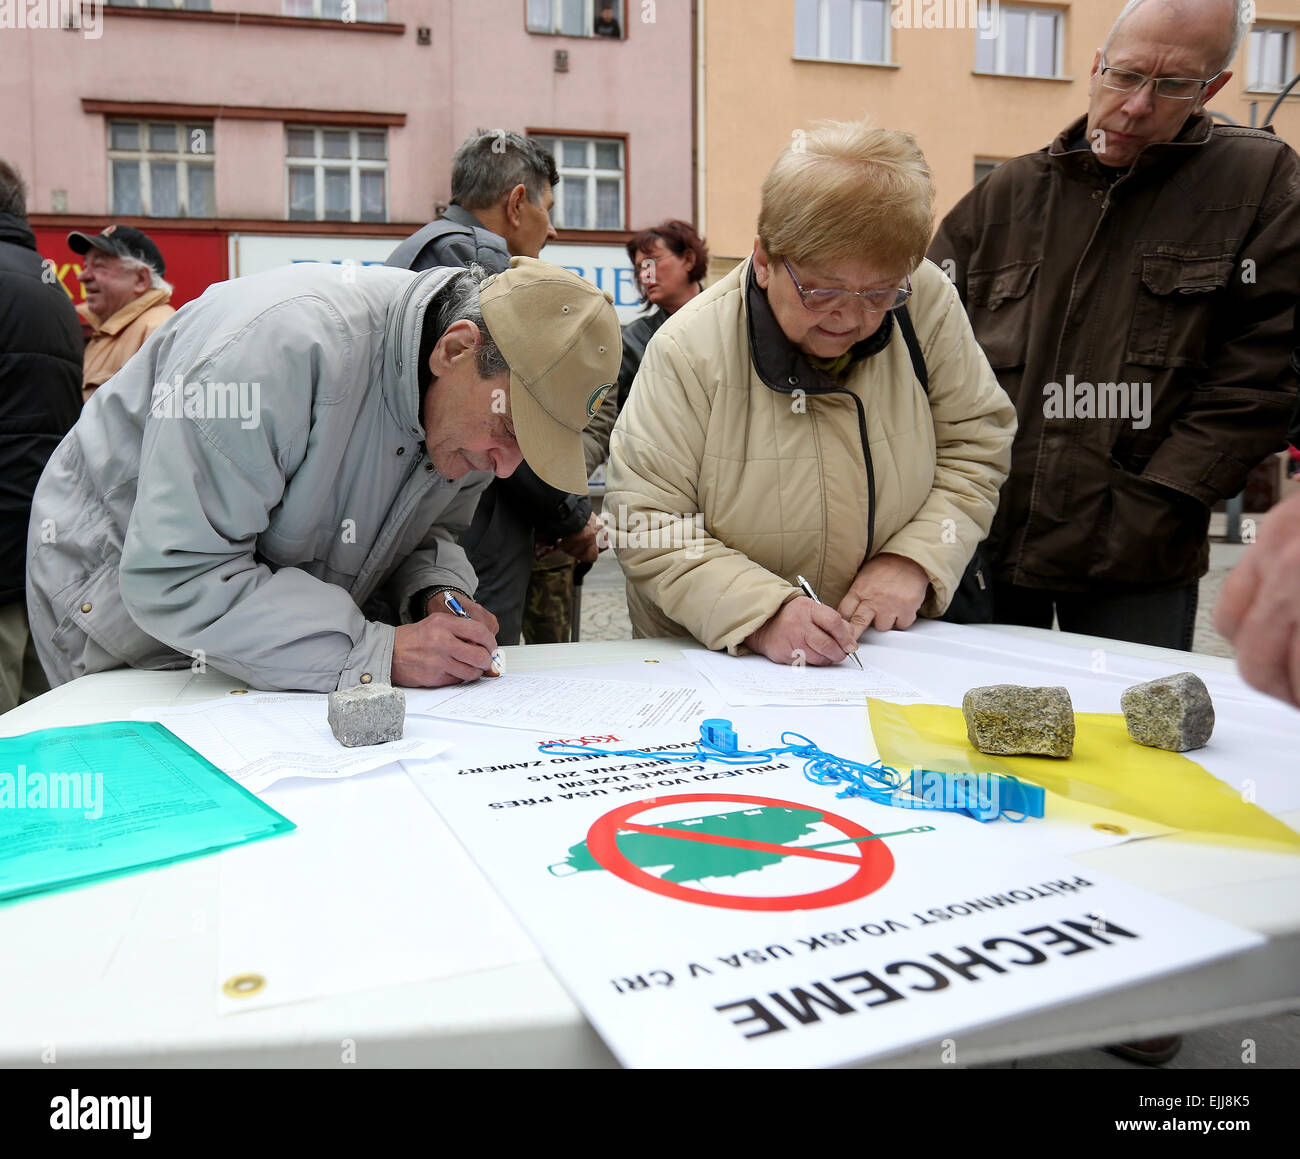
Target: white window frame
(144, 155)
(319, 162)
(588, 173)
(187, 5)
(824, 32)
(591, 9)
(318, 10)
(1000, 45)
(1288, 32)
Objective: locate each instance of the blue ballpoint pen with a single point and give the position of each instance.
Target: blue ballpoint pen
(812, 595)
(453, 606)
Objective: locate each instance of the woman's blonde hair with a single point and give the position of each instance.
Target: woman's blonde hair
(847, 191)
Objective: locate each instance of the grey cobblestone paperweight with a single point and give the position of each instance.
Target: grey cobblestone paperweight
(367, 714)
(1173, 712)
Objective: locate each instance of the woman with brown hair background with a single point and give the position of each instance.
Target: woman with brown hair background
(671, 261)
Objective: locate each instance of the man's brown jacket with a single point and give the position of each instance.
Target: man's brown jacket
(1141, 321)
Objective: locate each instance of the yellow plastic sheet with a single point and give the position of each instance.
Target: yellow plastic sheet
(1108, 770)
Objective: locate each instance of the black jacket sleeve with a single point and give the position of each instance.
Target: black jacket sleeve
(553, 513)
(40, 392)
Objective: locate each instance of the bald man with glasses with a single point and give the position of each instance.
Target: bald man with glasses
(1133, 286)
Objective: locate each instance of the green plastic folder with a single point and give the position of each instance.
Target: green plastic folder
(86, 803)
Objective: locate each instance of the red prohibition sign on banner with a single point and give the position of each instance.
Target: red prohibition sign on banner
(872, 869)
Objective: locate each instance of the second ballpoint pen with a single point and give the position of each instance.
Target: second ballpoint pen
(812, 595)
(454, 606)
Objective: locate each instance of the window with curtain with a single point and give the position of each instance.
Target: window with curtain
(349, 11)
(336, 174)
(842, 30)
(1272, 59)
(592, 181)
(161, 168)
(1028, 43)
(572, 17)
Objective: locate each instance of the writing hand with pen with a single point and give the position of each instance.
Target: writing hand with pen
(454, 644)
(805, 631)
(887, 594)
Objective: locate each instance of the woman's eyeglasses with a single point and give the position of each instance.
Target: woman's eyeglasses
(824, 301)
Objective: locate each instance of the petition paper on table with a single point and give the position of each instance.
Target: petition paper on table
(260, 739)
(559, 704)
(742, 680)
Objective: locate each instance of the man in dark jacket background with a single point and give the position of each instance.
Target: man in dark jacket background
(1133, 286)
(501, 194)
(40, 398)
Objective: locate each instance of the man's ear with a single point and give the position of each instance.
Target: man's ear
(1212, 90)
(762, 265)
(517, 196)
(1096, 69)
(458, 338)
(143, 278)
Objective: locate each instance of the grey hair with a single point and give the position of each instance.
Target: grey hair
(1240, 25)
(458, 301)
(155, 278)
(491, 162)
(13, 193)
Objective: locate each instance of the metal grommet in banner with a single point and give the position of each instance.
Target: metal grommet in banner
(239, 692)
(1107, 827)
(243, 985)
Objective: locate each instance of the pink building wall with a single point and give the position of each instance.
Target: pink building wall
(482, 68)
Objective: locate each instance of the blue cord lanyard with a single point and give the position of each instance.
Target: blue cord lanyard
(876, 782)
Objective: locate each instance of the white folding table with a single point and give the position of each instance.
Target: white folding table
(122, 973)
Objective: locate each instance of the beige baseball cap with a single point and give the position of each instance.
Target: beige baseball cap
(561, 337)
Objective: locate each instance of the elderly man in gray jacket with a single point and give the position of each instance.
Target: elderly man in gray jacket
(292, 445)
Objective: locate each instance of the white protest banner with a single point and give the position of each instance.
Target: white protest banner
(713, 915)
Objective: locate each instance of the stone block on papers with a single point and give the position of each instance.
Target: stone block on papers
(1011, 720)
(367, 714)
(1173, 712)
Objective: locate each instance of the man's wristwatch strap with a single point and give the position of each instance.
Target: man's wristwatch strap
(420, 601)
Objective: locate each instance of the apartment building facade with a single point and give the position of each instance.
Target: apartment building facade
(246, 133)
(978, 81)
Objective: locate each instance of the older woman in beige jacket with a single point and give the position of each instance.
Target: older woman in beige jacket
(777, 427)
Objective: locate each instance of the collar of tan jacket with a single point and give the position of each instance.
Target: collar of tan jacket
(782, 365)
(1070, 148)
(127, 314)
